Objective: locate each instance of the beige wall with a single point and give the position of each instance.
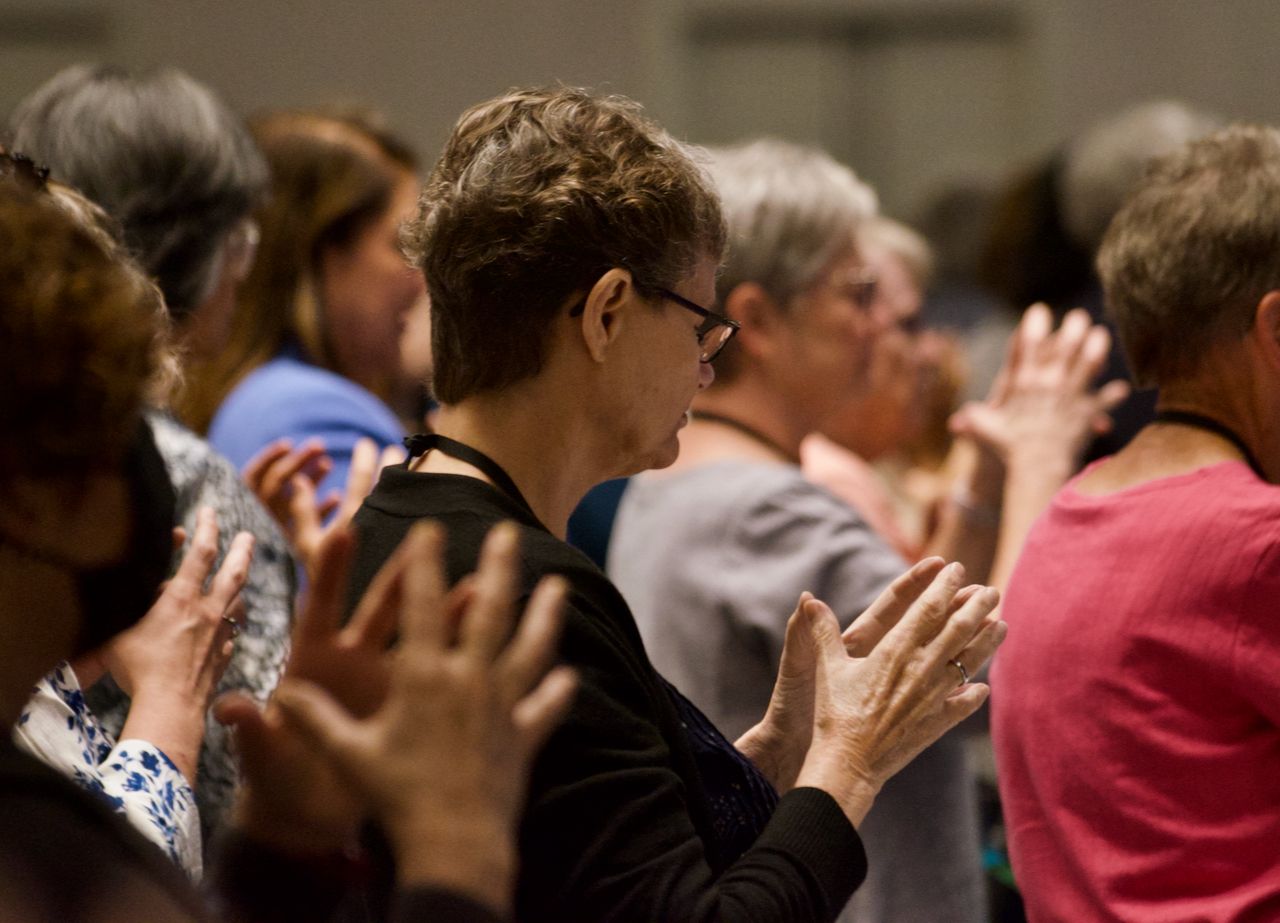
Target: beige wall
(912, 93)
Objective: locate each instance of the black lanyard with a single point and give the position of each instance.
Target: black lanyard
(422, 443)
(1198, 421)
(749, 431)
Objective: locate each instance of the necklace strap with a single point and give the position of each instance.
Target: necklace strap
(1199, 421)
(422, 443)
(747, 430)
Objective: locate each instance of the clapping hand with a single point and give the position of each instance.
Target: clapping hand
(851, 709)
(1043, 401)
(443, 763)
(284, 478)
(171, 661)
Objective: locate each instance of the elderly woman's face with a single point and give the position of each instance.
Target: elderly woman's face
(887, 412)
(829, 336)
(659, 374)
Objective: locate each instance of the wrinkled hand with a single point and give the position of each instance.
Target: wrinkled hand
(1043, 401)
(285, 480)
(443, 764)
(779, 743)
(886, 688)
(171, 661)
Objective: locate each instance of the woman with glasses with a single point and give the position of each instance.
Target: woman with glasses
(570, 248)
(711, 551)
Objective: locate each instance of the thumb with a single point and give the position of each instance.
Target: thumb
(824, 628)
(542, 710)
(978, 421)
(322, 722)
(253, 732)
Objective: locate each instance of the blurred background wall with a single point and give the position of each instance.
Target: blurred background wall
(914, 94)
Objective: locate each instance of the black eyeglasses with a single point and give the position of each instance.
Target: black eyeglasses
(714, 333)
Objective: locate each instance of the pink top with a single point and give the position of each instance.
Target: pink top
(1136, 703)
(852, 480)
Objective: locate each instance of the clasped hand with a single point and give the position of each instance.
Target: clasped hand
(851, 709)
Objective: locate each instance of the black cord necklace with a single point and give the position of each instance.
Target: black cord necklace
(747, 430)
(423, 443)
(1199, 421)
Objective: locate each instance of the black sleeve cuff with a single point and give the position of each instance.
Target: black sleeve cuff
(809, 825)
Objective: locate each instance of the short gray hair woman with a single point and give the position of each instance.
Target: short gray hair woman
(173, 165)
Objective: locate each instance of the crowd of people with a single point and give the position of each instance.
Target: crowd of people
(586, 528)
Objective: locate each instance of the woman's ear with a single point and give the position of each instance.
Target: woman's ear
(758, 313)
(1266, 328)
(602, 314)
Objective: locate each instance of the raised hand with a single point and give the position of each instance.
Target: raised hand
(285, 478)
(289, 797)
(443, 763)
(270, 474)
(1034, 426)
(1043, 401)
(889, 686)
(171, 661)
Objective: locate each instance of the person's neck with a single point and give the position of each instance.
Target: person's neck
(528, 439)
(1225, 394)
(1237, 388)
(766, 429)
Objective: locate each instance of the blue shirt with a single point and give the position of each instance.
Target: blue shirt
(288, 397)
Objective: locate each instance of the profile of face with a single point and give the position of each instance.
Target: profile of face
(886, 414)
(368, 291)
(828, 337)
(657, 372)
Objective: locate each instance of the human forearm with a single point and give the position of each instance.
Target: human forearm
(970, 518)
(461, 852)
(778, 758)
(172, 724)
(1035, 474)
(830, 772)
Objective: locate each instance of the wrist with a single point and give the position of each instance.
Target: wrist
(853, 789)
(172, 727)
(1042, 458)
(766, 749)
(462, 854)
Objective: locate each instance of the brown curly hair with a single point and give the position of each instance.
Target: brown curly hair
(80, 335)
(538, 193)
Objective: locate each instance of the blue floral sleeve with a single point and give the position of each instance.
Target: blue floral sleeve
(134, 776)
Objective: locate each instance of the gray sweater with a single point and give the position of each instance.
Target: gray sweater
(712, 562)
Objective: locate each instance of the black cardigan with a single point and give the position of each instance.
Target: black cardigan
(618, 825)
